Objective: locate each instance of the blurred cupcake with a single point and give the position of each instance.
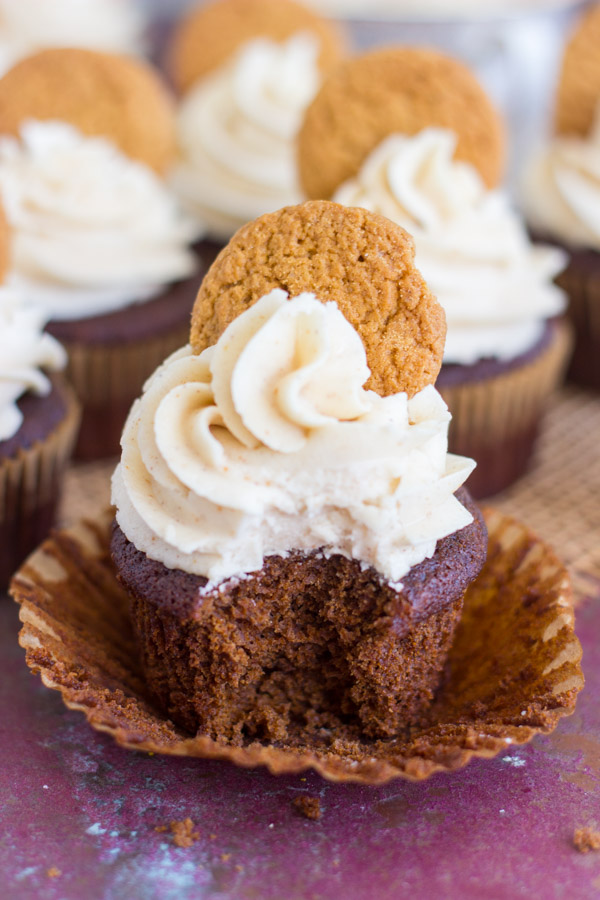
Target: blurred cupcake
(38, 423)
(561, 192)
(27, 26)
(249, 69)
(420, 143)
(99, 242)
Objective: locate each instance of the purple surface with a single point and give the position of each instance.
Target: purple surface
(73, 801)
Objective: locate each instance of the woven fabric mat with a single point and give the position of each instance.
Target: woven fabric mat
(559, 499)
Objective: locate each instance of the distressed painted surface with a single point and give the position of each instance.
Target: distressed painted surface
(74, 802)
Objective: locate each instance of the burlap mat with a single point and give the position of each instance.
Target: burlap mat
(559, 499)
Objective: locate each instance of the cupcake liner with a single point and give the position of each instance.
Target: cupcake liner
(514, 665)
(495, 420)
(581, 282)
(30, 484)
(108, 378)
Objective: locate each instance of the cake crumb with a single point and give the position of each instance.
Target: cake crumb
(586, 839)
(309, 807)
(225, 857)
(53, 872)
(184, 833)
(160, 828)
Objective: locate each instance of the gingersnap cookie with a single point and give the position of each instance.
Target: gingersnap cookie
(360, 260)
(102, 94)
(211, 33)
(579, 84)
(395, 90)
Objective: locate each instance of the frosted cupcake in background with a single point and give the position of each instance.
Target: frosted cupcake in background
(561, 192)
(249, 69)
(421, 144)
(27, 26)
(39, 417)
(100, 242)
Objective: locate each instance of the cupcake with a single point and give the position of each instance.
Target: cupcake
(27, 26)
(410, 134)
(249, 69)
(290, 528)
(39, 417)
(561, 192)
(100, 243)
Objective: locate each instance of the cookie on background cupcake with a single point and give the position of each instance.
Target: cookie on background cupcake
(249, 69)
(39, 416)
(296, 546)
(561, 192)
(409, 133)
(100, 242)
(27, 26)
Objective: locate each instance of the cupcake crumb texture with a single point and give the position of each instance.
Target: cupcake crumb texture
(586, 839)
(309, 807)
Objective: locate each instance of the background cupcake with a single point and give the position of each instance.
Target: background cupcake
(249, 68)
(27, 26)
(38, 423)
(561, 192)
(100, 243)
(410, 134)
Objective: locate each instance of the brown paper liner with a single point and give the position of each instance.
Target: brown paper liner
(581, 282)
(30, 485)
(107, 379)
(496, 420)
(514, 666)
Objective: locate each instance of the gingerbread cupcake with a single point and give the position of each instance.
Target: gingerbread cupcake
(39, 417)
(410, 134)
(249, 68)
(100, 243)
(561, 192)
(292, 543)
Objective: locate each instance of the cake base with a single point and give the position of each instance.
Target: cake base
(306, 644)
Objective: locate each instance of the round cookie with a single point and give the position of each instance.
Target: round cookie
(5, 246)
(360, 260)
(579, 85)
(395, 90)
(101, 94)
(211, 33)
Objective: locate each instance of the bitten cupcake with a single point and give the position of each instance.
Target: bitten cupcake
(39, 417)
(287, 523)
(410, 134)
(100, 243)
(561, 192)
(249, 69)
(26, 26)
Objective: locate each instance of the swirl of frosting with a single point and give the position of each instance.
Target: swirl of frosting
(472, 248)
(27, 26)
(24, 352)
(237, 129)
(561, 189)
(93, 231)
(267, 443)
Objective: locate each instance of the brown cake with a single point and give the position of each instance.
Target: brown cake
(315, 637)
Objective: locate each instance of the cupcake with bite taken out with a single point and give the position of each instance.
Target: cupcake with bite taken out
(290, 528)
(247, 69)
(410, 134)
(39, 417)
(100, 243)
(561, 192)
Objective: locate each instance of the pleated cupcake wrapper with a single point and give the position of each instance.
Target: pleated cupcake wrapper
(511, 402)
(114, 374)
(583, 290)
(514, 666)
(31, 479)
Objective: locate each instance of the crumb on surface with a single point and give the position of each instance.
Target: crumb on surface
(309, 807)
(53, 872)
(184, 833)
(160, 828)
(586, 839)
